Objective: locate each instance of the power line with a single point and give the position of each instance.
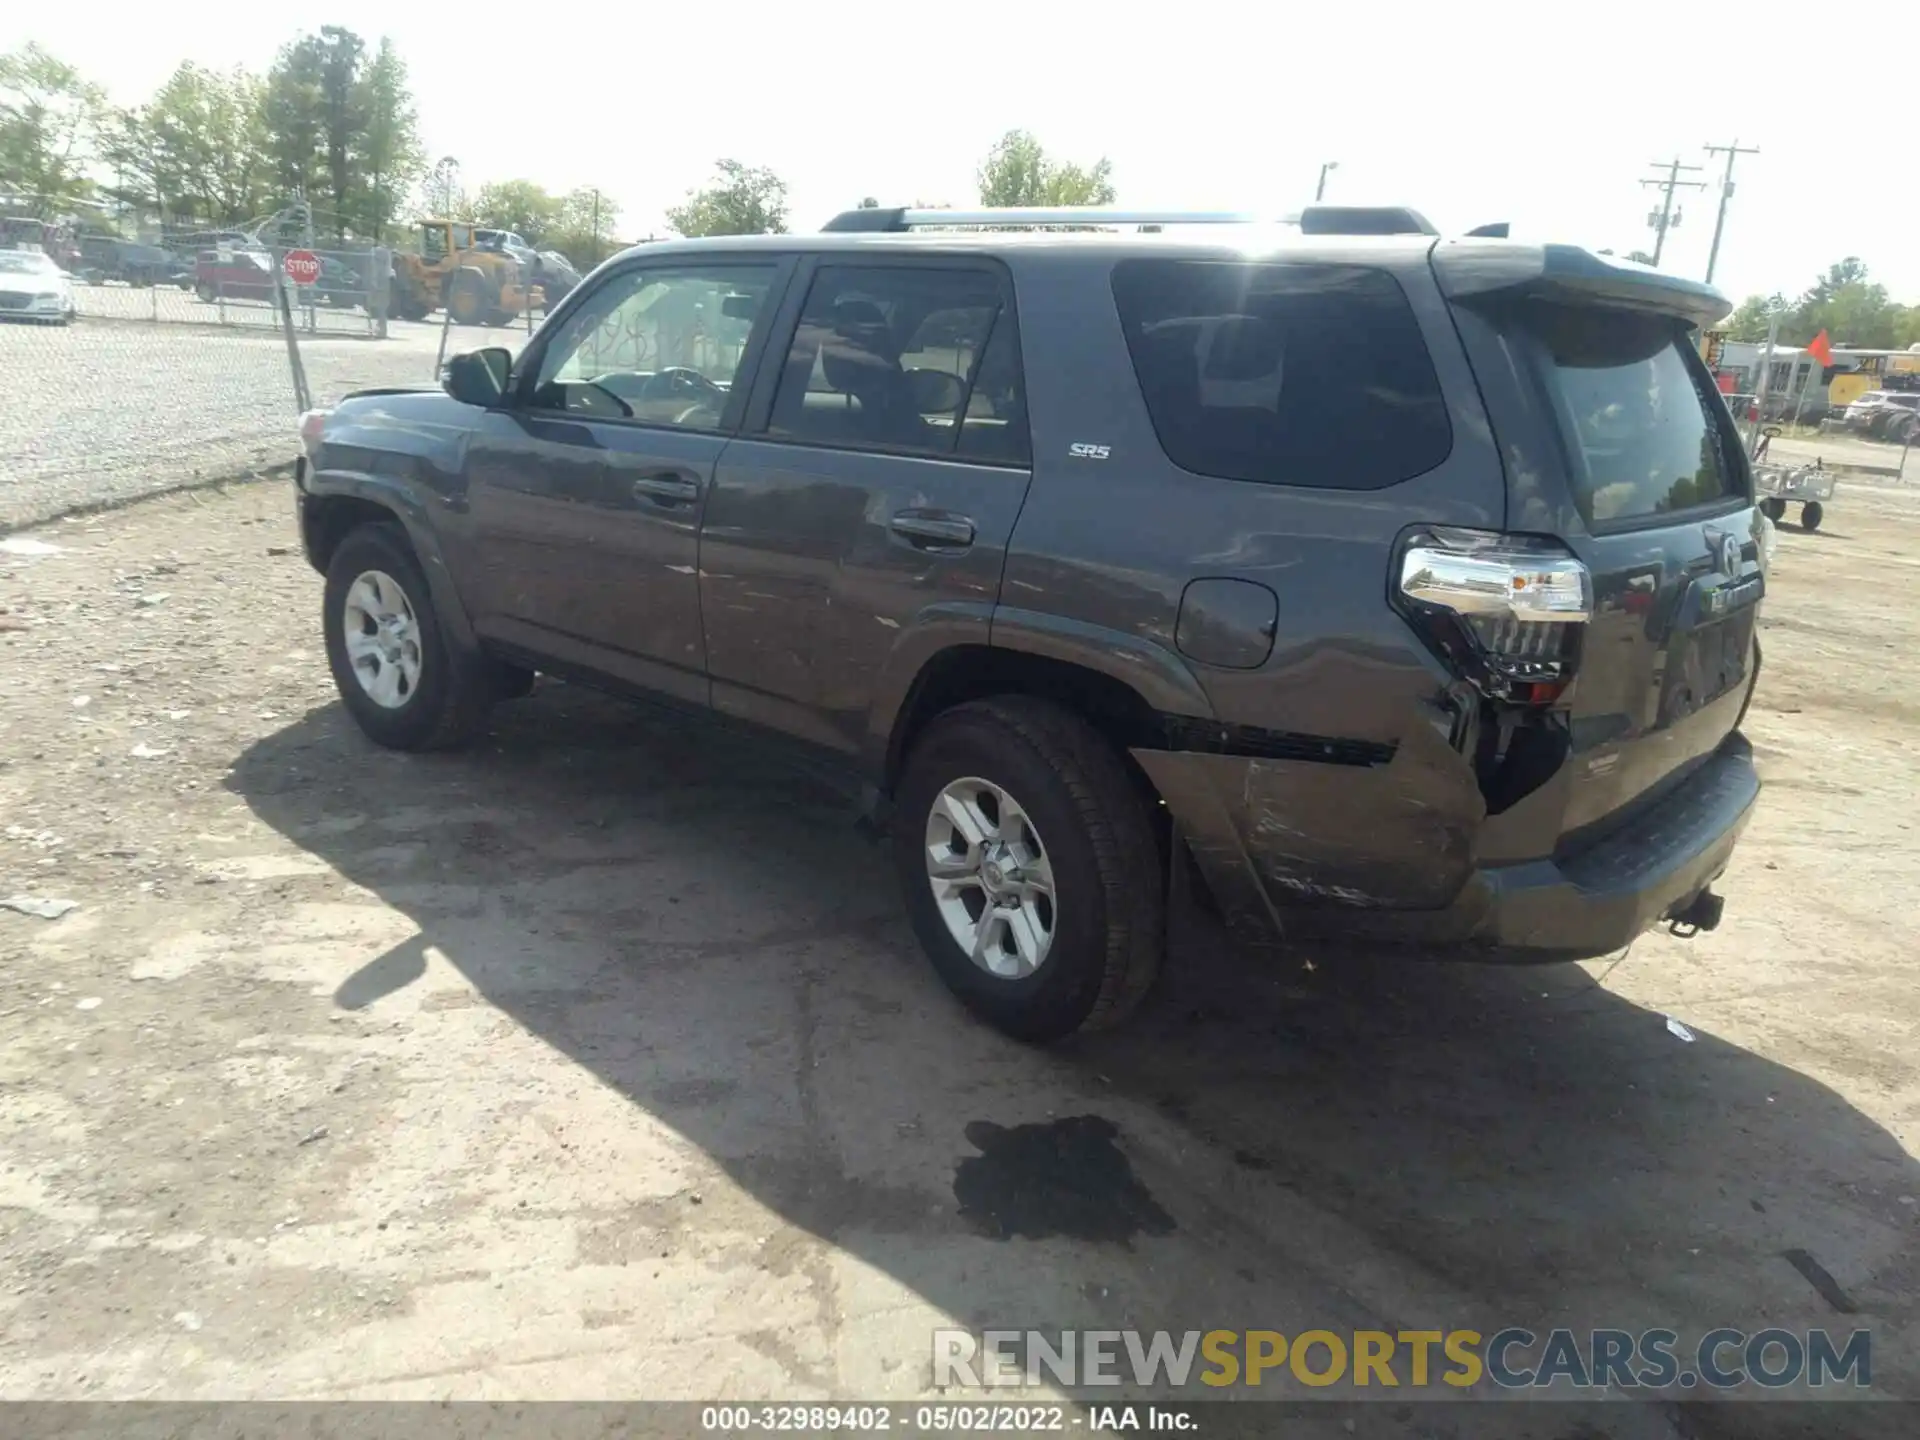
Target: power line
(1664, 219)
(1726, 193)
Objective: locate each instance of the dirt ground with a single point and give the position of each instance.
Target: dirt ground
(599, 1062)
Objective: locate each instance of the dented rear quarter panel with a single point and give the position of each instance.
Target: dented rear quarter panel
(1109, 546)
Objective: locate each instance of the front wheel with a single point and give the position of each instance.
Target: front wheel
(404, 684)
(1810, 515)
(1030, 868)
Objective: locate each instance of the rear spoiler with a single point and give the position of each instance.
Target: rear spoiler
(1479, 268)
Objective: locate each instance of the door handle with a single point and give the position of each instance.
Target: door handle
(667, 487)
(930, 530)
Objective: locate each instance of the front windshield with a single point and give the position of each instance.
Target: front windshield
(21, 262)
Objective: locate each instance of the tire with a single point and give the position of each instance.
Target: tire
(446, 703)
(467, 300)
(1108, 929)
(1810, 515)
(203, 292)
(1773, 507)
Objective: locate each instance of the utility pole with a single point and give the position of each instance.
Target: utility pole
(1664, 219)
(1726, 193)
(1320, 190)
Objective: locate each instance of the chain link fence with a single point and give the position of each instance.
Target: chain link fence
(176, 369)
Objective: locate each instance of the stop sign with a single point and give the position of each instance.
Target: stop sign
(302, 266)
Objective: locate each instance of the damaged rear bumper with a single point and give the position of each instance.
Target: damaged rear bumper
(1293, 849)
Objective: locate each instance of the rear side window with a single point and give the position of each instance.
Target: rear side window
(910, 359)
(1288, 374)
(1642, 427)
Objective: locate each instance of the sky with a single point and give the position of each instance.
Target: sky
(1470, 111)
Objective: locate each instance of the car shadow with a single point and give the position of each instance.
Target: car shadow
(707, 932)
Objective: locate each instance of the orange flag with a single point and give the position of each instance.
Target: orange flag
(1820, 349)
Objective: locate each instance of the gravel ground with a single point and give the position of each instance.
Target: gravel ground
(109, 410)
(598, 1061)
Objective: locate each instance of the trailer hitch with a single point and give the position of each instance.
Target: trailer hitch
(1702, 912)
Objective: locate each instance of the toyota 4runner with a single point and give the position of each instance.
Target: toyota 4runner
(1394, 588)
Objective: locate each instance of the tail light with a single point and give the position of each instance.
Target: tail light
(1507, 612)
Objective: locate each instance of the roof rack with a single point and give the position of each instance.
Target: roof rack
(1313, 220)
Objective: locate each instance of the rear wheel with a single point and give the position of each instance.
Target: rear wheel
(204, 292)
(1030, 869)
(404, 684)
(1810, 515)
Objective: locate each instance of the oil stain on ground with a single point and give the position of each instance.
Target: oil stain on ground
(1065, 1177)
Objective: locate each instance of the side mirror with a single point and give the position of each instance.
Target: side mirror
(478, 377)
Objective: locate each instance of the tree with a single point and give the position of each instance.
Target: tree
(386, 152)
(1749, 322)
(341, 121)
(341, 129)
(1844, 302)
(291, 110)
(49, 117)
(517, 205)
(1018, 172)
(746, 201)
(197, 150)
(588, 216)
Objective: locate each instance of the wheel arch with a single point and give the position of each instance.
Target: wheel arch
(976, 671)
(329, 516)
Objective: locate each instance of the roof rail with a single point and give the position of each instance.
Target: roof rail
(1313, 220)
(873, 220)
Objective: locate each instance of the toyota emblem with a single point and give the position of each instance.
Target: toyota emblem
(1729, 555)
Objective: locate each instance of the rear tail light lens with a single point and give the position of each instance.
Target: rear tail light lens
(1506, 611)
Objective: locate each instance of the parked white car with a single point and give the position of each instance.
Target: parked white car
(1885, 414)
(32, 287)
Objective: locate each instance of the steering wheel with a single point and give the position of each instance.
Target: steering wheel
(683, 380)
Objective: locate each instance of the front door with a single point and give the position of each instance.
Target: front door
(873, 500)
(587, 491)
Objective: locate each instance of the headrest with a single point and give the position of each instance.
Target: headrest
(860, 352)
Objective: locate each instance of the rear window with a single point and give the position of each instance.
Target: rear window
(1287, 374)
(1641, 425)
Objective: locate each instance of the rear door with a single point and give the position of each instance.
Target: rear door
(870, 503)
(1618, 445)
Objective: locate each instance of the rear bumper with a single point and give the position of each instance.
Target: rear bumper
(1279, 871)
(1601, 899)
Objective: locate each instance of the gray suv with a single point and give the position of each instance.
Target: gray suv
(1368, 584)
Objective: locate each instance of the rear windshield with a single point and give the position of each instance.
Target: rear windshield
(1641, 425)
(1289, 374)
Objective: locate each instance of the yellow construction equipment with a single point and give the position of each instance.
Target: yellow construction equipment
(477, 274)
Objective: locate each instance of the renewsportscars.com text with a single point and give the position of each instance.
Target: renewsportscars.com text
(1511, 1358)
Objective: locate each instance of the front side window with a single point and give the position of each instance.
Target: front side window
(657, 346)
(915, 360)
(1311, 375)
(1642, 428)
